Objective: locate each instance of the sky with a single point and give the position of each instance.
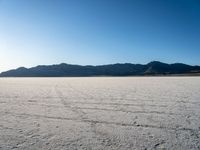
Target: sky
(95, 32)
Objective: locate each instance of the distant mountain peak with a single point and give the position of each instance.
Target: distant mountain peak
(22, 68)
(118, 69)
(156, 63)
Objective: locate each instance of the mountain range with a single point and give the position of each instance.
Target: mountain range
(127, 69)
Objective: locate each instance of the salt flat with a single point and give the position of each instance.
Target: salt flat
(100, 113)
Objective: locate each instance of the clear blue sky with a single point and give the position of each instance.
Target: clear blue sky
(34, 32)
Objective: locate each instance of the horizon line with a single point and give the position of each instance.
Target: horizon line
(99, 64)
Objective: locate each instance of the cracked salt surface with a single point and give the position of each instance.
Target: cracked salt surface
(100, 113)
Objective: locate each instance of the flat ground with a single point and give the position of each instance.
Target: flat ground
(100, 113)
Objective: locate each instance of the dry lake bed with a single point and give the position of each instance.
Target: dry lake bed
(100, 113)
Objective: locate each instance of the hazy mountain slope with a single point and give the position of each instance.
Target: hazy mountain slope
(127, 69)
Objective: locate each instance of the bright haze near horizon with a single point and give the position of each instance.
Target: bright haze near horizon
(94, 32)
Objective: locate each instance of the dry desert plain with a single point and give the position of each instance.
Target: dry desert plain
(100, 113)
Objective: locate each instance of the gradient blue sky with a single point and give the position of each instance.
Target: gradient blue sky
(34, 32)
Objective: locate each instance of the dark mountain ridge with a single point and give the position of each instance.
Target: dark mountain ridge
(126, 69)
